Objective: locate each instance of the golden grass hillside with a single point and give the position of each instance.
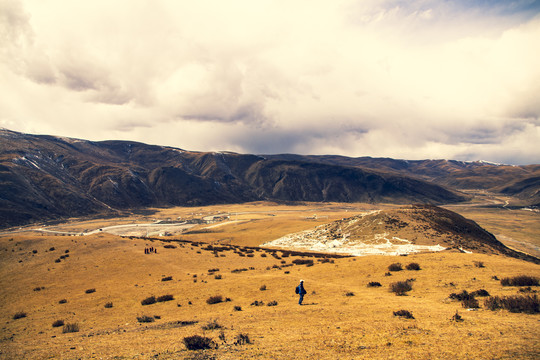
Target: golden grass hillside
(342, 317)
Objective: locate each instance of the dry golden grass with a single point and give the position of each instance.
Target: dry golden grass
(329, 326)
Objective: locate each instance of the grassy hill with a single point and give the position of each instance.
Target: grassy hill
(72, 278)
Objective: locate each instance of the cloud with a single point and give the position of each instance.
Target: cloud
(405, 79)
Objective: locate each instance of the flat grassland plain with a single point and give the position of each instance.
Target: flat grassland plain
(99, 281)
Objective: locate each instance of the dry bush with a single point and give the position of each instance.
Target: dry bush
(303, 262)
(516, 304)
(58, 323)
(395, 267)
(262, 288)
(404, 313)
(272, 303)
(218, 277)
(464, 295)
(470, 303)
(212, 325)
(374, 284)
(521, 280)
(70, 328)
(165, 298)
(145, 319)
(197, 342)
(149, 300)
(19, 315)
(169, 246)
(167, 278)
(349, 293)
(479, 264)
(400, 287)
(242, 339)
(257, 303)
(413, 266)
(214, 299)
(480, 292)
(237, 308)
(89, 291)
(109, 305)
(63, 301)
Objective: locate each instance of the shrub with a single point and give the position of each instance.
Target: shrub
(527, 289)
(521, 280)
(58, 323)
(214, 299)
(404, 313)
(149, 300)
(218, 277)
(63, 301)
(213, 325)
(303, 262)
(145, 319)
(480, 293)
(213, 270)
(374, 284)
(272, 303)
(388, 274)
(108, 305)
(349, 293)
(237, 308)
(516, 304)
(257, 303)
(479, 264)
(70, 328)
(167, 278)
(19, 315)
(242, 339)
(400, 287)
(413, 266)
(89, 291)
(169, 246)
(395, 267)
(262, 288)
(464, 295)
(197, 342)
(470, 303)
(165, 298)
(456, 317)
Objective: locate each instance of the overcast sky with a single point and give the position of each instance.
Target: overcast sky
(418, 79)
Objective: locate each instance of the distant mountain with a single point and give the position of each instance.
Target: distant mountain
(404, 230)
(48, 177)
(449, 173)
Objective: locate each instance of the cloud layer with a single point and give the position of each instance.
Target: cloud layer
(403, 79)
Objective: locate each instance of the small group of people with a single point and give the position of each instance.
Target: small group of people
(150, 250)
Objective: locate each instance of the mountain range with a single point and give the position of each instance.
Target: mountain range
(47, 177)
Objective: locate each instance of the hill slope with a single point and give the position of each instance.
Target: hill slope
(409, 229)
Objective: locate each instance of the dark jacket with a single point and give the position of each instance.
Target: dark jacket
(301, 289)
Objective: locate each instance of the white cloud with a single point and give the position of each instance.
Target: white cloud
(405, 79)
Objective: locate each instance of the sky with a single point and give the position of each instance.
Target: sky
(419, 79)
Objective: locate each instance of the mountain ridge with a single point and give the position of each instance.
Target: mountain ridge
(44, 177)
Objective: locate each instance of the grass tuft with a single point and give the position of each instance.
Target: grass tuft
(145, 319)
(413, 266)
(149, 300)
(395, 267)
(58, 323)
(70, 328)
(19, 315)
(404, 313)
(374, 284)
(212, 325)
(214, 299)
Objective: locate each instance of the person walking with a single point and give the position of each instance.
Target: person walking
(301, 291)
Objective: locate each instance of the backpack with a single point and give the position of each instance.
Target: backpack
(297, 290)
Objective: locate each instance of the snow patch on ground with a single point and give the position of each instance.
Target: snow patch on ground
(379, 244)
